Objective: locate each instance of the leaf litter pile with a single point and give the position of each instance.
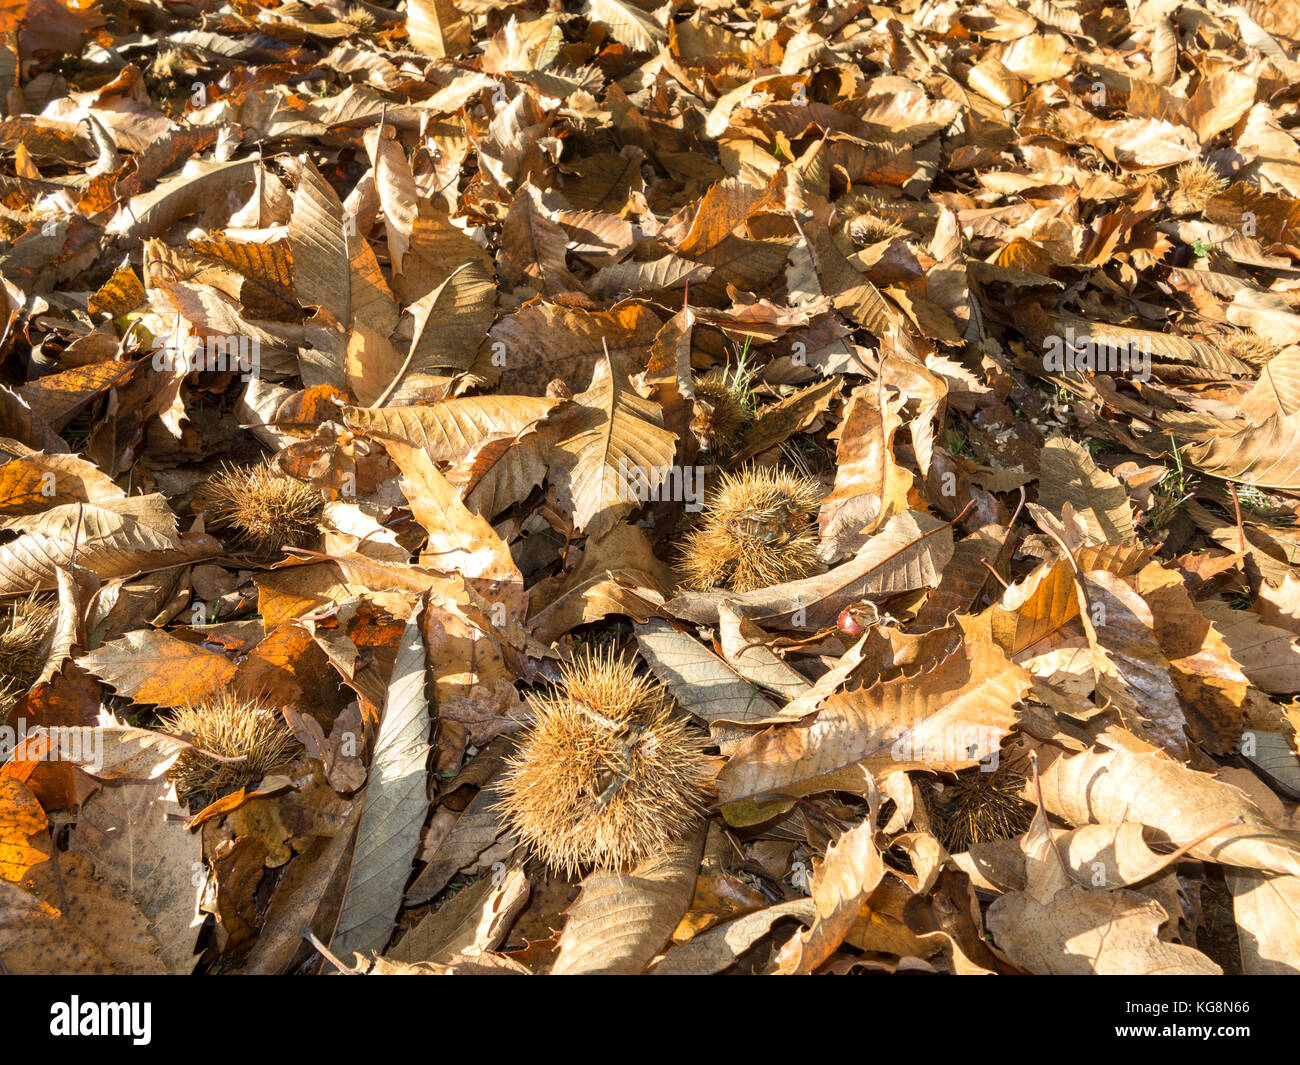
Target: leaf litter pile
(496, 486)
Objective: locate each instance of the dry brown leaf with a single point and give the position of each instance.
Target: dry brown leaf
(714, 950)
(1179, 803)
(156, 667)
(533, 246)
(698, 679)
(782, 420)
(186, 193)
(950, 717)
(459, 542)
(621, 921)
(134, 833)
(1130, 669)
(908, 553)
(545, 342)
(24, 831)
(450, 323)
(35, 938)
(1267, 655)
(396, 187)
(629, 24)
(1266, 455)
(449, 429)
(1267, 909)
(1216, 695)
(437, 28)
(614, 454)
(618, 574)
(477, 829)
(1046, 600)
(1068, 474)
(1092, 932)
(473, 922)
(840, 886)
(747, 652)
(336, 272)
(870, 486)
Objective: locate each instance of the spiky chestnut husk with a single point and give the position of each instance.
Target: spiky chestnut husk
(865, 221)
(606, 775)
(980, 807)
(360, 18)
(1195, 185)
(24, 644)
(250, 729)
(872, 229)
(719, 417)
(757, 530)
(1246, 345)
(266, 509)
(169, 64)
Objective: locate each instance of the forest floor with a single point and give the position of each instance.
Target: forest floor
(497, 486)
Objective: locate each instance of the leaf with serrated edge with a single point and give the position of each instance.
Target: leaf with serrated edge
(452, 320)
(152, 666)
(477, 829)
(698, 679)
(1069, 474)
(1181, 804)
(135, 833)
(395, 806)
(628, 24)
(910, 552)
(852, 868)
(1266, 455)
(714, 950)
(437, 28)
(620, 921)
(1267, 910)
(620, 440)
(1091, 932)
(904, 721)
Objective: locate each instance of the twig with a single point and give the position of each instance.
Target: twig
(1236, 506)
(329, 955)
